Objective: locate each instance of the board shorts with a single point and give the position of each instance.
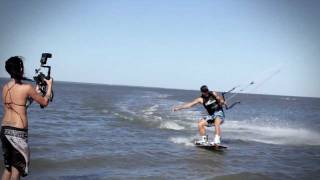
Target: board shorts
(15, 149)
(211, 118)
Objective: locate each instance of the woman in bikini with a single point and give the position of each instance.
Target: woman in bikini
(14, 130)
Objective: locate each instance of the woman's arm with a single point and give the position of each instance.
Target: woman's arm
(44, 101)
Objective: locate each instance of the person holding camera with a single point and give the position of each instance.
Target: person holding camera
(14, 130)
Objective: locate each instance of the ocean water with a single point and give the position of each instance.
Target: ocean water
(117, 132)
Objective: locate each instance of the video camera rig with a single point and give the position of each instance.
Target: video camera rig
(40, 76)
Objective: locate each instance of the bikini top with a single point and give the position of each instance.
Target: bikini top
(9, 104)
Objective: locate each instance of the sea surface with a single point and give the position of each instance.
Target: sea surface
(95, 131)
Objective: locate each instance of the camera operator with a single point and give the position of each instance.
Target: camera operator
(14, 130)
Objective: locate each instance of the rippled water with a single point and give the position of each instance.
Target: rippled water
(102, 132)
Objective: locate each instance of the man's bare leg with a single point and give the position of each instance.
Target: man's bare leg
(217, 123)
(202, 127)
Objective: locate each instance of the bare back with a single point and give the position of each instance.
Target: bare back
(14, 98)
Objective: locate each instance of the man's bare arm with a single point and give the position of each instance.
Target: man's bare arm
(219, 98)
(188, 105)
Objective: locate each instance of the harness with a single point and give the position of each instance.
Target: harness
(210, 103)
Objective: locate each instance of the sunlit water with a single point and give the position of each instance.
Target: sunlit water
(102, 132)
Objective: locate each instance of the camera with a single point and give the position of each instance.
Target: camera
(44, 58)
(40, 75)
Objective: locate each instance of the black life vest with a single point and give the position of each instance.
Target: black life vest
(210, 103)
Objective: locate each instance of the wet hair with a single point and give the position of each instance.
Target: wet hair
(14, 67)
(204, 89)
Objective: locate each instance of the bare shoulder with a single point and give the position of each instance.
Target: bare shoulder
(27, 87)
(5, 86)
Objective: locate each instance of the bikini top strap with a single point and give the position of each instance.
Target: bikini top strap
(9, 91)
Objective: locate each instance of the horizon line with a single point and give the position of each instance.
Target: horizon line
(168, 88)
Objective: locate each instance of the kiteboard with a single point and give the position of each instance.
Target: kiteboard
(210, 147)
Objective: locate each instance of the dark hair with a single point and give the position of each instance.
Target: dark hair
(14, 67)
(204, 89)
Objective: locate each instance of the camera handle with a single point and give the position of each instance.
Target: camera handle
(49, 71)
(48, 77)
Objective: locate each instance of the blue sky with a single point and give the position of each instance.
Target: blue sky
(171, 44)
